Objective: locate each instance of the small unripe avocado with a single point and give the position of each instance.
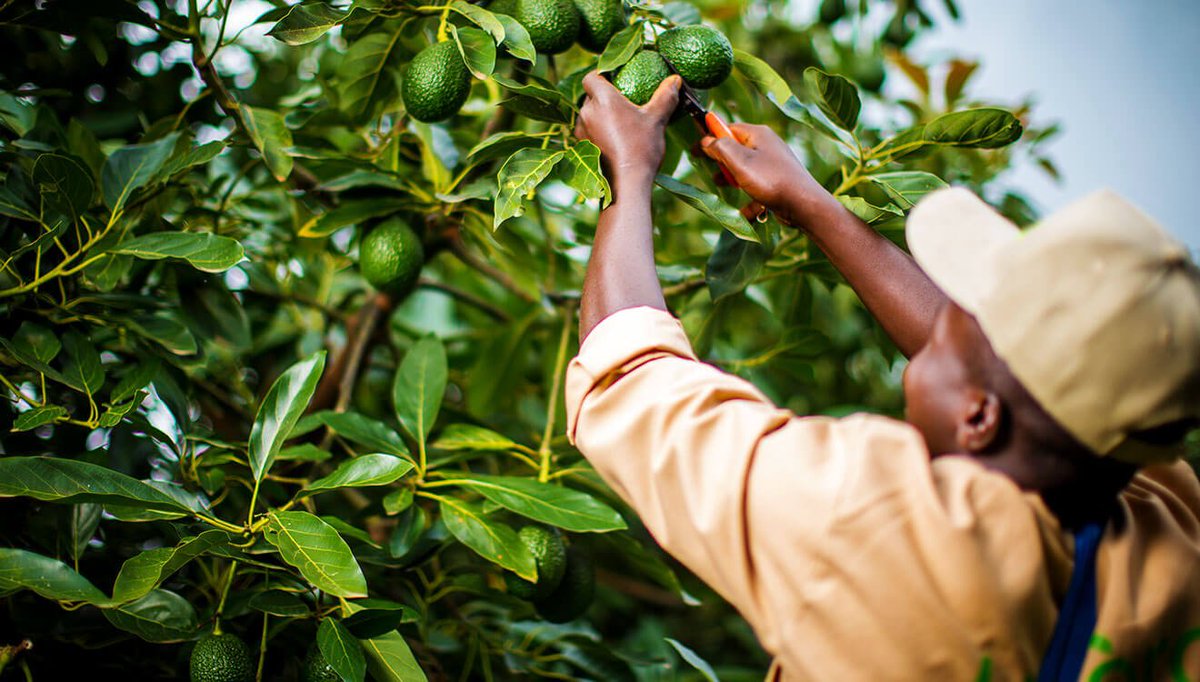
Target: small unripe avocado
(553, 25)
(639, 78)
(316, 668)
(574, 594)
(599, 22)
(437, 83)
(221, 658)
(548, 550)
(390, 257)
(702, 55)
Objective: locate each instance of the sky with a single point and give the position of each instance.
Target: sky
(1123, 79)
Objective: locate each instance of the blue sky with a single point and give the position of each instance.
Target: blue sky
(1123, 78)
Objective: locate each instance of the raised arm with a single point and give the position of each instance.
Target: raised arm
(621, 271)
(889, 282)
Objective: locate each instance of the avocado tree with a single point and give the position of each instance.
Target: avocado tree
(288, 293)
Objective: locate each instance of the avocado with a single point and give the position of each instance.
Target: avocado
(702, 55)
(316, 668)
(574, 594)
(390, 258)
(548, 550)
(437, 83)
(553, 25)
(639, 78)
(599, 22)
(221, 658)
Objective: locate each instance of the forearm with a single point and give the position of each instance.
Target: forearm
(621, 272)
(892, 286)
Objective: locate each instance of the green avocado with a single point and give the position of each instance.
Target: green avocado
(316, 668)
(221, 658)
(599, 22)
(639, 78)
(553, 25)
(548, 550)
(390, 257)
(437, 83)
(702, 55)
(574, 594)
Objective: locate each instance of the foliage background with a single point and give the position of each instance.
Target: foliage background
(181, 205)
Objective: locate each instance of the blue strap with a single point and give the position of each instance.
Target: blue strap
(1077, 619)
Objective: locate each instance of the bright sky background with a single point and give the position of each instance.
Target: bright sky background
(1122, 77)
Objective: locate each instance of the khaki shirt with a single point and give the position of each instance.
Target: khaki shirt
(852, 554)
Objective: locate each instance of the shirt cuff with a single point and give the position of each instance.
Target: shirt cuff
(617, 345)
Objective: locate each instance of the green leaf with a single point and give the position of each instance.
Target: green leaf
(351, 212)
(271, 137)
(534, 88)
(535, 109)
(836, 97)
(710, 205)
(35, 341)
(83, 369)
(362, 471)
(694, 660)
(39, 416)
(279, 603)
(18, 116)
(363, 74)
(477, 48)
(906, 188)
(868, 212)
(143, 572)
(341, 650)
(63, 480)
(135, 379)
(50, 578)
(520, 175)
(482, 18)
(318, 552)
(733, 265)
(581, 171)
(203, 250)
(65, 184)
(85, 519)
(492, 540)
(365, 431)
(553, 504)
(376, 617)
(281, 409)
(470, 437)
(306, 23)
(166, 330)
(986, 128)
(419, 386)
(190, 158)
(502, 144)
(397, 501)
(621, 47)
(161, 616)
(132, 167)
(390, 659)
(516, 39)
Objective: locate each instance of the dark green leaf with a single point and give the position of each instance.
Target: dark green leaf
(694, 660)
(733, 265)
(307, 22)
(906, 188)
(477, 48)
(364, 73)
(621, 47)
(469, 437)
(362, 471)
(341, 650)
(516, 39)
(161, 616)
(419, 386)
(536, 109)
(491, 539)
(983, 128)
(132, 167)
(36, 341)
(553, 504)
(135, 379)
(39, 416)
(271, 137)
(65, 184)
(304, 452)
(502, 144)
(279, 603)
(166, 330)
(50, 578)
(482, 18)
(85, 519)
(18, 116)
(318, 552)
(281, 409)
(836, 97)
(519, 176)
(143, 572)
(352, 212)
(83, 369)
(377, 617)
(710, 205)
(203, 250)
(581, 171)
(365, 431)
(390, 659)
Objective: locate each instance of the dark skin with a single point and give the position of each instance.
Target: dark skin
(960, 395)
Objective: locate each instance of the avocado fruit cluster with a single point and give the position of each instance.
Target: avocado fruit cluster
(566, 583)
(700, 54)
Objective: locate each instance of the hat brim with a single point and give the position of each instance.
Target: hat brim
(956, 237)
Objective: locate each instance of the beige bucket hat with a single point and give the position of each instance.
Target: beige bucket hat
(1095, 309)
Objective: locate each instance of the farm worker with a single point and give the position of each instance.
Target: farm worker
(1031, 519)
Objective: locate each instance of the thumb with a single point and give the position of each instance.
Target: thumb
(726, 151)
(666, 97)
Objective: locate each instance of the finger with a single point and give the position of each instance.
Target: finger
(747, 134)
(598, 88)
(665, 98)
(725, 151)
(581, 131)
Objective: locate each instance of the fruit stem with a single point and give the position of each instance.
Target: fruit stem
(224, 594)
(544, 452)
(262, 649)
(442, 35)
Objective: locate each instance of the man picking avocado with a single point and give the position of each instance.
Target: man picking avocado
(1031, 520)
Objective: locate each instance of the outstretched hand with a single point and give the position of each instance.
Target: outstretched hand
(767, 169)
(631, 138)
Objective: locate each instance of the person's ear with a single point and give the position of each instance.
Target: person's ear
(980, 423)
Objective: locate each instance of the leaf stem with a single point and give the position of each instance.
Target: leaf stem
(544, 452)
(262, 649)
(224, 594)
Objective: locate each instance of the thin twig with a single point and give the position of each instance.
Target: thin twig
(465, 297)
(460, 251)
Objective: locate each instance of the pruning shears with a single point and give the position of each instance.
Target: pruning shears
(711, 123)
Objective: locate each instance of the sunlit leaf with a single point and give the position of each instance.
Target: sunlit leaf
(363, 74)
(470, 437)
(143, 572)
(203, 250)
(161, 616)
(271, 138)
(24, 570)
(516, 39)
(986, 128)
(131, 167)
(519, 176)
(63, 480)
(307, 22)
(362, 471)
(836, 97)
(318, 552)
(281, 409)
(580, 169)
(621, 47)
(710, 205)
(868, 212)
(477, 48)
(693, 659)
(906, 188)
(365, 431)
(390, 659)
(491, 539)
(419, 386)
(482, 18)
(341, 650)
(39, 416)
(556, 505)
